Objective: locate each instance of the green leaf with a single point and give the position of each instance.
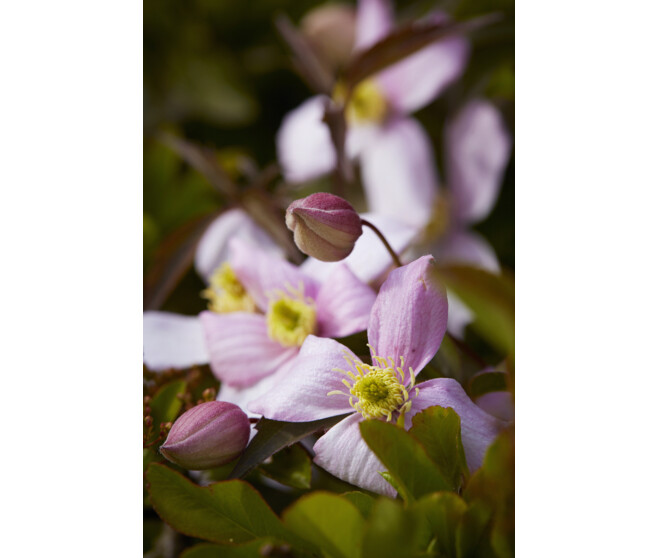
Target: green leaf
(166, 405)
(290, 466)
(487, 382)
(274, 435)
(414, 473)
(473, 533)
(225, 512)
(253, 549)
(438, 429)
(443, 512)
(394, 531)
(489, 296)
(328, 521)
(361, 501)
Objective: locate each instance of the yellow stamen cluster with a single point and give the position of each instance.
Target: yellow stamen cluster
(226, 293)
(366, 104)
(291, 317)
(377, 391)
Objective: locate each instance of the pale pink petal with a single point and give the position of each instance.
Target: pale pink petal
(241, 352)
(477, 150)
(213, 249)
(343, 304)
(263, 275)
(479, 429)
(399, 173)
(410, 315)
(302, 395)
(343, 453)
(498, 404)
(417, 80)
(374, 20)
(369, 259)
(173, 341)
(459, 315)
(303, 142)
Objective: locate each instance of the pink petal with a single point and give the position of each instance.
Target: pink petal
(213, 249)
(241, 352)
(479, 429)
(374, 20)
(302, 395)
(303, 142)
(477, 150)
(173, 341)
(410, 315)
(498, 404)
(459, 316)
(343, 453)
(369, 259)
(399, 173)
(343, 304)
(417, 80)
(263, 274)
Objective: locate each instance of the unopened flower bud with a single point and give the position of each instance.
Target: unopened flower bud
(207, 436)
(325, 226)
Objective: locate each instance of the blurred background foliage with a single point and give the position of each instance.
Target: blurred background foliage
(217, 73)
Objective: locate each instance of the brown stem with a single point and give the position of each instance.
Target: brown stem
(396, 260)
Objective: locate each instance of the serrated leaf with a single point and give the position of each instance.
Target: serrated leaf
(361, 501)
(442, 512)
(438, 429)
(394, 531)
(274, 435)
(225, 512)
(489, 296)
(328, 521)
(415, 474)
(253, 549)
(290, 466)
(165, 404)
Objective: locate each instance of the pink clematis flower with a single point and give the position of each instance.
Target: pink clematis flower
(394, 150)
(406, 326)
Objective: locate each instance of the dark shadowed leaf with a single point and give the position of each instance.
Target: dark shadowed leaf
(414, 473)
(274, 435)
(328, 521)
(290, 466)
(253, 549)
(442, 511)
(487, 382)
(225, 512)
(439, 431)
(166, 404)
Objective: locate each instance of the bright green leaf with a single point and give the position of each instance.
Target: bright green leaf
(290, 466)
(405, 458)
(362, 501)
(329, 521)
(225, 512)
(438, 429)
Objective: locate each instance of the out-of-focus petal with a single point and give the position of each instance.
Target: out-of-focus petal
(343, 453)
(478, 428)
(241, 352)
(302, 395)
(459, 316)
(399, 173)
(173, 341)
(213, 249)
(303, 142)
(343, 304)
(369, 259)
(498, 404)
(410, 315)
(417, 80)
(263, 274)
(374, 20)
(477, 148)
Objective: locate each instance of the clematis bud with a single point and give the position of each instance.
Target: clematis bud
(207, 436)
(325, 226)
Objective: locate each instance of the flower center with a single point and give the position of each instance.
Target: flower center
(226, 293)
(290, 319)
(366, 104)
(377, 391)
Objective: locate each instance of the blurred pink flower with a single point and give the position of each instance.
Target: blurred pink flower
(405, 330)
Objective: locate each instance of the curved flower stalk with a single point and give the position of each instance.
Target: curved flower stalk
(405, 330)
(394, 150)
